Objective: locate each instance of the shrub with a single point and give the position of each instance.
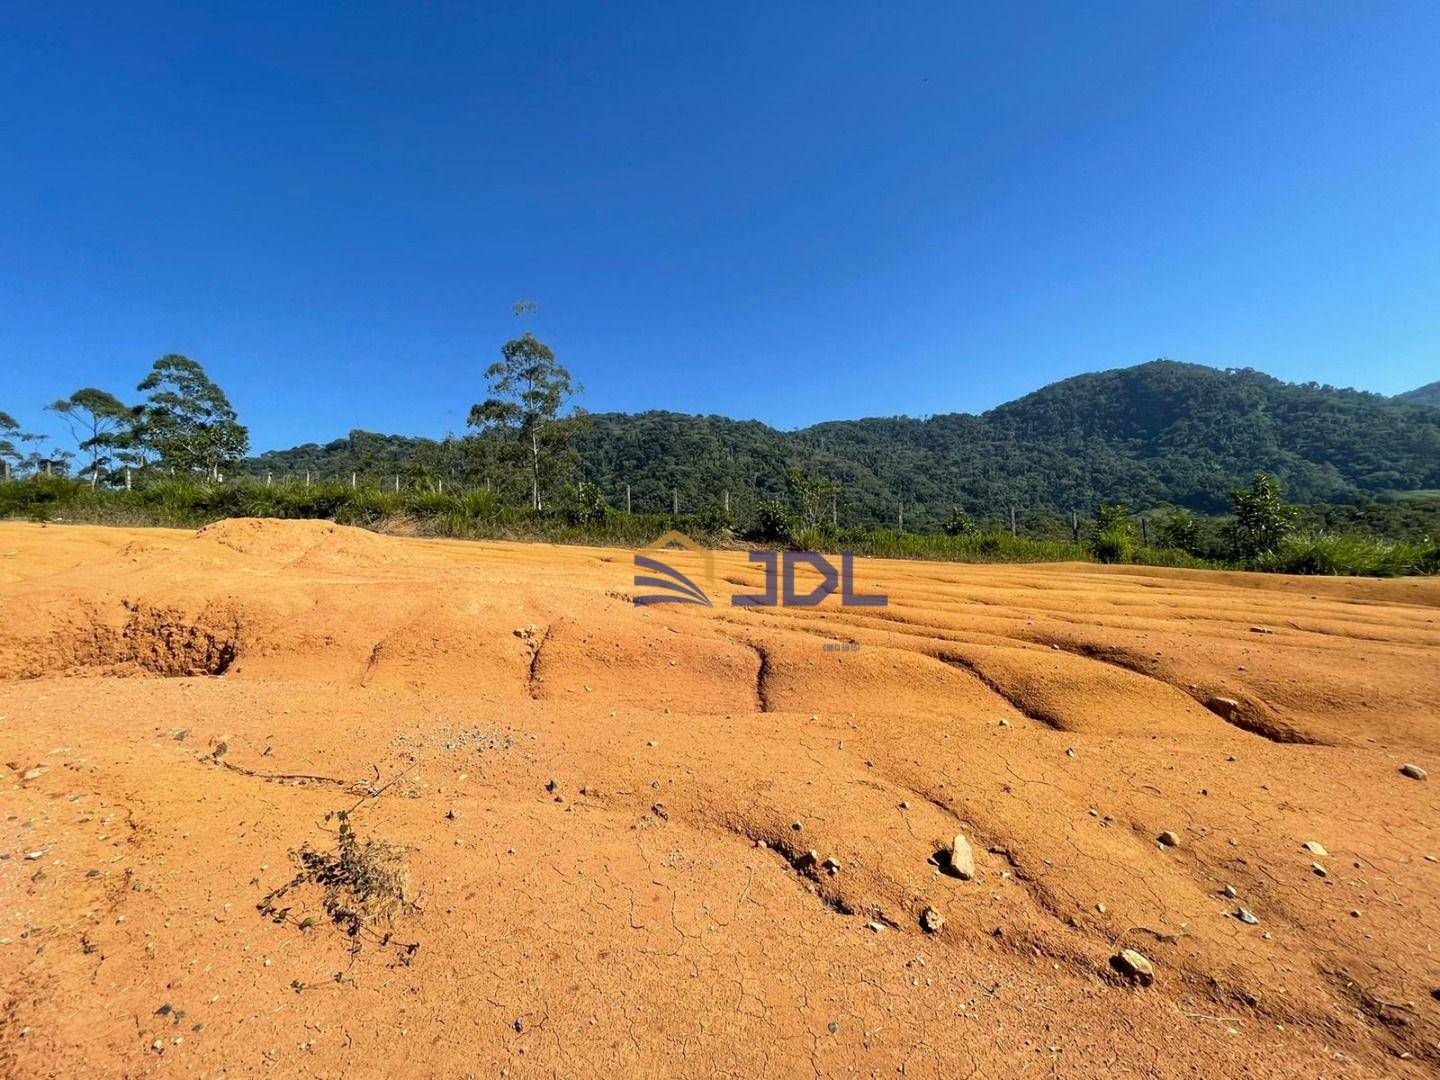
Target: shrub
(771, 524)
(1262, 521)
(584, 505)
(958, 523)
(1179, 531)
(715, 520)
(361, 884)
(1113, 537)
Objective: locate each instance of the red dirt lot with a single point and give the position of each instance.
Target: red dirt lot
(689, 841)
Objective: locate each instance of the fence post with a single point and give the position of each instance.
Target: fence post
(1012, 521)
(127, 476)
(397, 483)
(902, 517)
(675, 502)
(727, 504)
(627, 498)
(441, 482)
(1144, 533)
(352, 481)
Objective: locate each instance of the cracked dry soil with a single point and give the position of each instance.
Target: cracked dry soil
(677, 841)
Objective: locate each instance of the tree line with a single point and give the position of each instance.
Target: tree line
(185, 423)
(1151, 436)
(185, 426)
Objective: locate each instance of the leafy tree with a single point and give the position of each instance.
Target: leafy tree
(97, 421)
(9, 433)
(434, 464)
(43, 460)
(1262, 521)
(529, 389)
(131, 444)
(190, 423)
(1180, 531)
(1113, 537)
(958, 523)
(813, 496)
(27, 450)
(585, 505)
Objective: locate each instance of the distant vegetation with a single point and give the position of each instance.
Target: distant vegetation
(1429, 394)
(1162, 432)
(1164, 463)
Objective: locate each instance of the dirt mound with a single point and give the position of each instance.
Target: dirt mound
(292, 797)
(319, 544)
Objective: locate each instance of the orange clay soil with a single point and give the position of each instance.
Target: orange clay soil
(618, 820)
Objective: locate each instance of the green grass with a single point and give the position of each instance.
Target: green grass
(480, 515)
(1351, 555)
(993, 546)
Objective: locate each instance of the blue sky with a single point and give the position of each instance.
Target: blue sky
(788, 212)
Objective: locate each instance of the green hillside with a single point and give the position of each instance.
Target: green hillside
(1429, 394)
(1158, 432)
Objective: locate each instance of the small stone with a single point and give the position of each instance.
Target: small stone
(34, 854)
(931, 921)
(962, 859)
(1224, 707)
(1100, 908)
(1354, 913)
(1315, 848)
(877, 927)
(1261, 630)
(1229, 891)
(1414, 772)
(34, 774)
(1135, 966)
(158, 1046)
(797, 825)
(551, 786)
(1246, 916)
(832, 864)
(1168, 839)
(1319, 870)
(1070, 752)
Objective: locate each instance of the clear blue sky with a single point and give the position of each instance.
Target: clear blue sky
(789, 212)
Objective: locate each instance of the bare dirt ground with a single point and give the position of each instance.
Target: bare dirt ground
(694, 841)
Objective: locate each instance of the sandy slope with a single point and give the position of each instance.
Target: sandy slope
(658, 914)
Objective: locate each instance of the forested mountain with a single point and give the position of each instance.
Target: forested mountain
(1158, 432)
(1429, 394)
